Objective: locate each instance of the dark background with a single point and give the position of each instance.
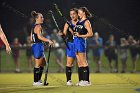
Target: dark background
(118, 17)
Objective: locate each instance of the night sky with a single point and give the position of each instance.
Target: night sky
(118, 17)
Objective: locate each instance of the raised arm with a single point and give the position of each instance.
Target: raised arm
(4, 39)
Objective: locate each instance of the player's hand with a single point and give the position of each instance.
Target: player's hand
(8, 49)
(76, 34)
(51, 43)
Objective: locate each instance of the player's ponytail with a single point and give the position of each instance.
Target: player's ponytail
(34, 14)
(88, 14)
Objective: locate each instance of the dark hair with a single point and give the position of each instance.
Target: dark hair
(34, 14)
(88, 14)
(74, 9)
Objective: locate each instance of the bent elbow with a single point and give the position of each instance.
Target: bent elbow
(91, 34)
(39, 37)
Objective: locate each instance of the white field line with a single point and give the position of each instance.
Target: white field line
(28, 87)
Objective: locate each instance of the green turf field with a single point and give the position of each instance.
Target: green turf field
(101, 83)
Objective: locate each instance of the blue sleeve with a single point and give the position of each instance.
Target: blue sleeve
(101, 41)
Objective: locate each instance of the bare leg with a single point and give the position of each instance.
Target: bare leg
(81, 57)
(70, 61)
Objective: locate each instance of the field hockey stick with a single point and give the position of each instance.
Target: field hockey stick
(47, 66)
(65, 19)
(63, 37)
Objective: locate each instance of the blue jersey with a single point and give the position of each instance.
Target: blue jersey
(70, 52)
(79, 42)
(37, 47)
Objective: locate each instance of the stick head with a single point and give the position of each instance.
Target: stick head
(56, 7)
(46, 84)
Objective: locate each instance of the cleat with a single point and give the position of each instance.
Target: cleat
(37, 84)
(80, 83)
(83, 83)
(69, 83)
(87, 83)
(40, 81)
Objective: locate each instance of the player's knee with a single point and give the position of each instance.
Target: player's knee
(84, 63)
(37, 65)
(69, 64)
(43, 63)
(80, 64)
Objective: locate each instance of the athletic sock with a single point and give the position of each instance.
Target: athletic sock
(68, 73)
(36, 74)
(80, 72)
(87, 78)
(40, 72)
(85, 74)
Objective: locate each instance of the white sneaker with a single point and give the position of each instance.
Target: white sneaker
(37, 84)
(81, 83)
(87, 83)
(77, 84)
(69, 83)
(40, 81)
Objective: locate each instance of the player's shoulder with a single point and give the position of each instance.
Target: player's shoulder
(87, 21)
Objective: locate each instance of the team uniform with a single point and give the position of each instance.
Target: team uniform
(38, 52)
(70, 51)
(38, 46)
(79, 42)
(80, 47)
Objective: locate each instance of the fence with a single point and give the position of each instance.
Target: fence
(7, 63)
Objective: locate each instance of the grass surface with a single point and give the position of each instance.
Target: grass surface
(101, 83)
